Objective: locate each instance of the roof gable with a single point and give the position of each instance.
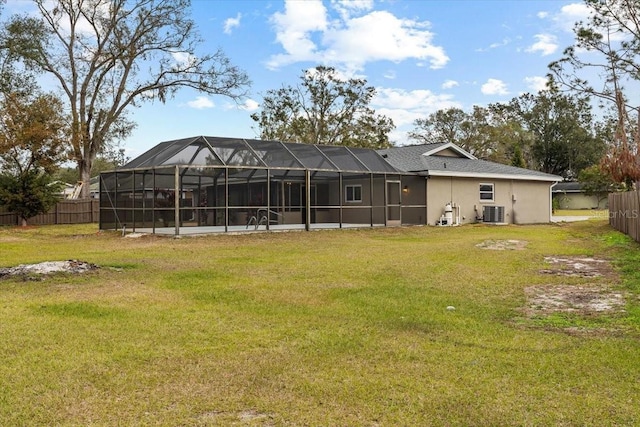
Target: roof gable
(449, 150)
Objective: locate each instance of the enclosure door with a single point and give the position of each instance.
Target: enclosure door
(294, 197)
(394, 200)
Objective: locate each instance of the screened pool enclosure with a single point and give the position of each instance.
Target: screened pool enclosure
(210, 184)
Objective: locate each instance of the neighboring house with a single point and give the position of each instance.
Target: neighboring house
(477, 190)
(67, 190)
(570, 195)
(94, 187)
(211, 184)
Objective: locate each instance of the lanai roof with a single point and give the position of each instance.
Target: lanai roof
(215, 151)
(425, 160)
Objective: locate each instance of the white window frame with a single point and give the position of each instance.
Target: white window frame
(353, 199)
(492, 192)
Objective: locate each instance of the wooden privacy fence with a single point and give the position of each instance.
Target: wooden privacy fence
(624, 213)
(79, 211)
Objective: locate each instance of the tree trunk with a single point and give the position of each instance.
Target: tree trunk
(23, 222)
(85, 177)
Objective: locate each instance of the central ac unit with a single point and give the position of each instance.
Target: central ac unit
(493, 214)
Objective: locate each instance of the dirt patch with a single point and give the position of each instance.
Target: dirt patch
(584, 300)
(503, 245)
(577, 266)
(594, 298)
(48, 267)
(248, 417)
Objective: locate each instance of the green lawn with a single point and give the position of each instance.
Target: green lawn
(594, 213)
(325, 328)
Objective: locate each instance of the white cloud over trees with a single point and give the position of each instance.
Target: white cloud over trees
(349, 35)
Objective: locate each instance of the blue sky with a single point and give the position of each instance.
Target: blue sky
(420, 55)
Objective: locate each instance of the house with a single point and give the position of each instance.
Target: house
(210, 184)
(472, 190)
(571, 195)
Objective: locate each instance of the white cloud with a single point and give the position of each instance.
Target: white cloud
(349, 42)
(503, 42)
(536, 83)
(573, 13)
(570, 14)
(448, 84)
(182, 58)
(547, 44)
(294, 28)
(231, 23)
(250, 105)
(100, 9)
(390, 74)
(200, 103)
(406, 106)
(494, 87)
(347, 7)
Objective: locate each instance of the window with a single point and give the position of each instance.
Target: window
(353, 193)
(486, 192)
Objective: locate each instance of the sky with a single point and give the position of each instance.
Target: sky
(420, 55)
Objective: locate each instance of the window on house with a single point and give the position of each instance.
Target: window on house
(353, 193)
(486, 193)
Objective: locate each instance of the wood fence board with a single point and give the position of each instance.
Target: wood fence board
(80, 211)
(624, 213)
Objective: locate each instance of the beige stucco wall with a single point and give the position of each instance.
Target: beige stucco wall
(525, 202)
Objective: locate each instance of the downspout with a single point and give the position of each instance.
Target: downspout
(551, 199)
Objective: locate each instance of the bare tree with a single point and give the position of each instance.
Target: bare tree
(110, 55)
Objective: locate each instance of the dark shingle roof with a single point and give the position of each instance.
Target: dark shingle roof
(412, 159)
(569, 186)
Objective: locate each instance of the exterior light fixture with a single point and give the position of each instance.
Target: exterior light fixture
(405, 189)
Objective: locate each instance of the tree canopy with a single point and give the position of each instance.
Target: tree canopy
(486, 132)
(110, 55)
(608, 46)
(324, 109)
(563, 138)
(32, 146)
(550, 132)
